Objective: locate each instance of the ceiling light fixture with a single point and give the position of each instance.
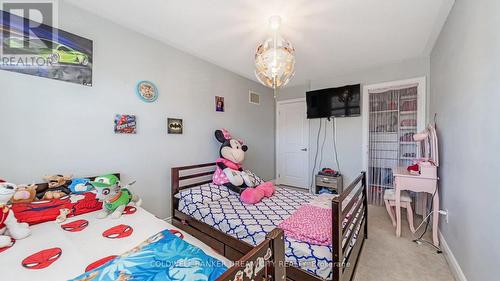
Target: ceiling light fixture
(274, 59)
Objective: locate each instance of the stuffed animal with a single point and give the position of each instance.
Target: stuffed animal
(24, 194)
(230, 173)
(9, 227)
(63, 215)
(79, 186)
(57, 187)
(114, 197)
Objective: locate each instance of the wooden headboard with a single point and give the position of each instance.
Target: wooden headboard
(190, 176)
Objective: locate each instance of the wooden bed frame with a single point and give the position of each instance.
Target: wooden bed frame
(344, 264)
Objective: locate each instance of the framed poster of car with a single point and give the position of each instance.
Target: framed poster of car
(44, 51)
(147, 91)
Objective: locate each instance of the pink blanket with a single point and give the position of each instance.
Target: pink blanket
(310, 224)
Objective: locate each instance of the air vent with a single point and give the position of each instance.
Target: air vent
(254, 97)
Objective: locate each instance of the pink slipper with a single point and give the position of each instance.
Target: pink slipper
(268, 188)
(252, 195)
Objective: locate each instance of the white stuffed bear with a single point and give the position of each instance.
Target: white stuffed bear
(9, 227)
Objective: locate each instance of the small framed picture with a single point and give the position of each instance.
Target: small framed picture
(147, 91)
(125, 124)
(219, 104)
(174, 126)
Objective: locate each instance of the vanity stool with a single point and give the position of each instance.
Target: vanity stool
(390, 205)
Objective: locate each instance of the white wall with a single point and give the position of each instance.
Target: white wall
(349, 130)
(49, 126)
(465, 75)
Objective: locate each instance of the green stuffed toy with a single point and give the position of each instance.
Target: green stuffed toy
(114, 197)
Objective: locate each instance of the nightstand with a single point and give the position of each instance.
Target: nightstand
(332, 183)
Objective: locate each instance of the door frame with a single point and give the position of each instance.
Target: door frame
(277, 145)
(421, 105)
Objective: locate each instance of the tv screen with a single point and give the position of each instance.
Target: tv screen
(334, 102)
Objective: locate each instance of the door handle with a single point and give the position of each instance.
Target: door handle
(304, 149)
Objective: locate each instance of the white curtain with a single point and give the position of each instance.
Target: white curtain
(392, 123)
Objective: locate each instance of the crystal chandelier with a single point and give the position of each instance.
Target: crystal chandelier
(274, 59)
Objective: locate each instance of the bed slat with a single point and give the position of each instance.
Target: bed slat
(196, 175)
(349, 221)
(353, 258)
(349, 238)
(349, 206)
(349, 189)
(194, 166)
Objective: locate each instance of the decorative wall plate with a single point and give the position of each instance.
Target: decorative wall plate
(147, 91)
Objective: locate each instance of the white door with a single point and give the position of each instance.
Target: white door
(292, 143)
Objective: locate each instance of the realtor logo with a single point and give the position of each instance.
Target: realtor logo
(21, 24)
(31, 43)
(27, 33)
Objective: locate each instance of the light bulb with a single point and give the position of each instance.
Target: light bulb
(275, 22)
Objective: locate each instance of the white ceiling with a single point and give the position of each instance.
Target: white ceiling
(331, 37)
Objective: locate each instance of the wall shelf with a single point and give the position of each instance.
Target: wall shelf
(408, 112)
(384, 111)
(408, 98)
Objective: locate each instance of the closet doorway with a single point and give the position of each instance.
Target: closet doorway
(392, 113)
(292, 143)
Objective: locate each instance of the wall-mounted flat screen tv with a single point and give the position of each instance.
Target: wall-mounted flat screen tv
(334, 102)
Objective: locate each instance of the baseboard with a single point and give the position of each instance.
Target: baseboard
(168, 219)
(456, 270)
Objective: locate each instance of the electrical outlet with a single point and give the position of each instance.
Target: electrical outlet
(445, 214)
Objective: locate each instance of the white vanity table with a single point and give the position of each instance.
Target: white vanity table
(425, 182)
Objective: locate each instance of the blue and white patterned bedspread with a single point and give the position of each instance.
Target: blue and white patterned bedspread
(251, 223)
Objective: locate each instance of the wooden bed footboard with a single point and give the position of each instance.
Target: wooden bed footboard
(349, 213)
(349, 227)
(264, 262)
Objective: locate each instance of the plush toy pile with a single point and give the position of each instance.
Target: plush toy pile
(63, 197)
(230, 173)
(56, 187)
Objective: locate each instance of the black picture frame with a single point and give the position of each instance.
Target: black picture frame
(175, 126)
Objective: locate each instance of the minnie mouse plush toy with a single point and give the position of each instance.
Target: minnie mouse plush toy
(230, 173)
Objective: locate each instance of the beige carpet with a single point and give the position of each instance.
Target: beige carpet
(388, 258)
